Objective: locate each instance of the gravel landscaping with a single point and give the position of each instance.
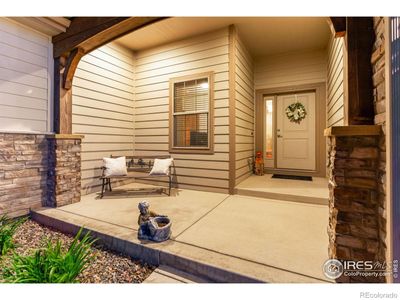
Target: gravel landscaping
(107, 266)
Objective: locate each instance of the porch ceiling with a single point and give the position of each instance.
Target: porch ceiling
(262, 35)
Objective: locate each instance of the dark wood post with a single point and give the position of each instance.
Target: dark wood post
(62, 99)
(359, 39)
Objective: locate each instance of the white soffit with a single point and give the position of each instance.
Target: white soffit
(262, 35)
(48, 25)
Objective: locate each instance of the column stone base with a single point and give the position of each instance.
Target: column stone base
(64, 171)
(353, 169)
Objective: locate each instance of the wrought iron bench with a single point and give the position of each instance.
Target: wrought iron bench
(138, 167)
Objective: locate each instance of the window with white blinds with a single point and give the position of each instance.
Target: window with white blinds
(191, 113)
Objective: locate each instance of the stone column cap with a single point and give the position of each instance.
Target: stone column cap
(353, 130)
(65, 136)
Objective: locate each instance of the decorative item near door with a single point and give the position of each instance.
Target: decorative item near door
(258, 168)
(296, 112)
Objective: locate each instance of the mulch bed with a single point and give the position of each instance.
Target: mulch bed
(107, 267)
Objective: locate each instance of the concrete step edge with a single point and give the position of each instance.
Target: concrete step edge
(157, 257)
(179, 275)
(279, 196)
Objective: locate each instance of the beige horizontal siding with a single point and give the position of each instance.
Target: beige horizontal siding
(102, 109)
(244, 111)
(335, 88)
(154, 68)
(290, 69)
(25, 78)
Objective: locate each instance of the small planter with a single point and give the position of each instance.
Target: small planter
(163, 230)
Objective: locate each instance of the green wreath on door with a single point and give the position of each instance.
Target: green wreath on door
(296, 112)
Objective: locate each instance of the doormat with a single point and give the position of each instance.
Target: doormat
(293, 177)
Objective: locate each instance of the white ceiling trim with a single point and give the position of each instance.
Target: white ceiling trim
(48, 25)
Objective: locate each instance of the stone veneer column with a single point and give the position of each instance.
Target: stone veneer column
(64, 169)
(354, 227)
(23, 172)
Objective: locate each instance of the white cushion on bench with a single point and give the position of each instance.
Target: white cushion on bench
(161, 166)
(115, 166)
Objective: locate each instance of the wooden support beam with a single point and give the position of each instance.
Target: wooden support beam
(337, 25)
(359, 40)
(62, 99)
(90, 33)
(79, 30)
(70, 67)
(83, 36)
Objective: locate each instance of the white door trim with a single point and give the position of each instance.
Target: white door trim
(320, 95)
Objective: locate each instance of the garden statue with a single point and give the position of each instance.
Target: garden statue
(152, 226)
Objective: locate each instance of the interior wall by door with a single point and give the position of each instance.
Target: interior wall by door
(335, 82)
(290, 69)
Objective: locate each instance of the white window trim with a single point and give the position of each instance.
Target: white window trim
(200, 150)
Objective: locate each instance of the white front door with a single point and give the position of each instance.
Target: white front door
(296, 141)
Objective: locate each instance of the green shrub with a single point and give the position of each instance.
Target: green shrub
(52, 264)
(7, 230)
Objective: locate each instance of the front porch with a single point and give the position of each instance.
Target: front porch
(224, 238)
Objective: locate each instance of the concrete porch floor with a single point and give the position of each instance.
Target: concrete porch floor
(216, 236)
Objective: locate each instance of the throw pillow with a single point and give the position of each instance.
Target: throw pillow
(161, 166)
(115, 166)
